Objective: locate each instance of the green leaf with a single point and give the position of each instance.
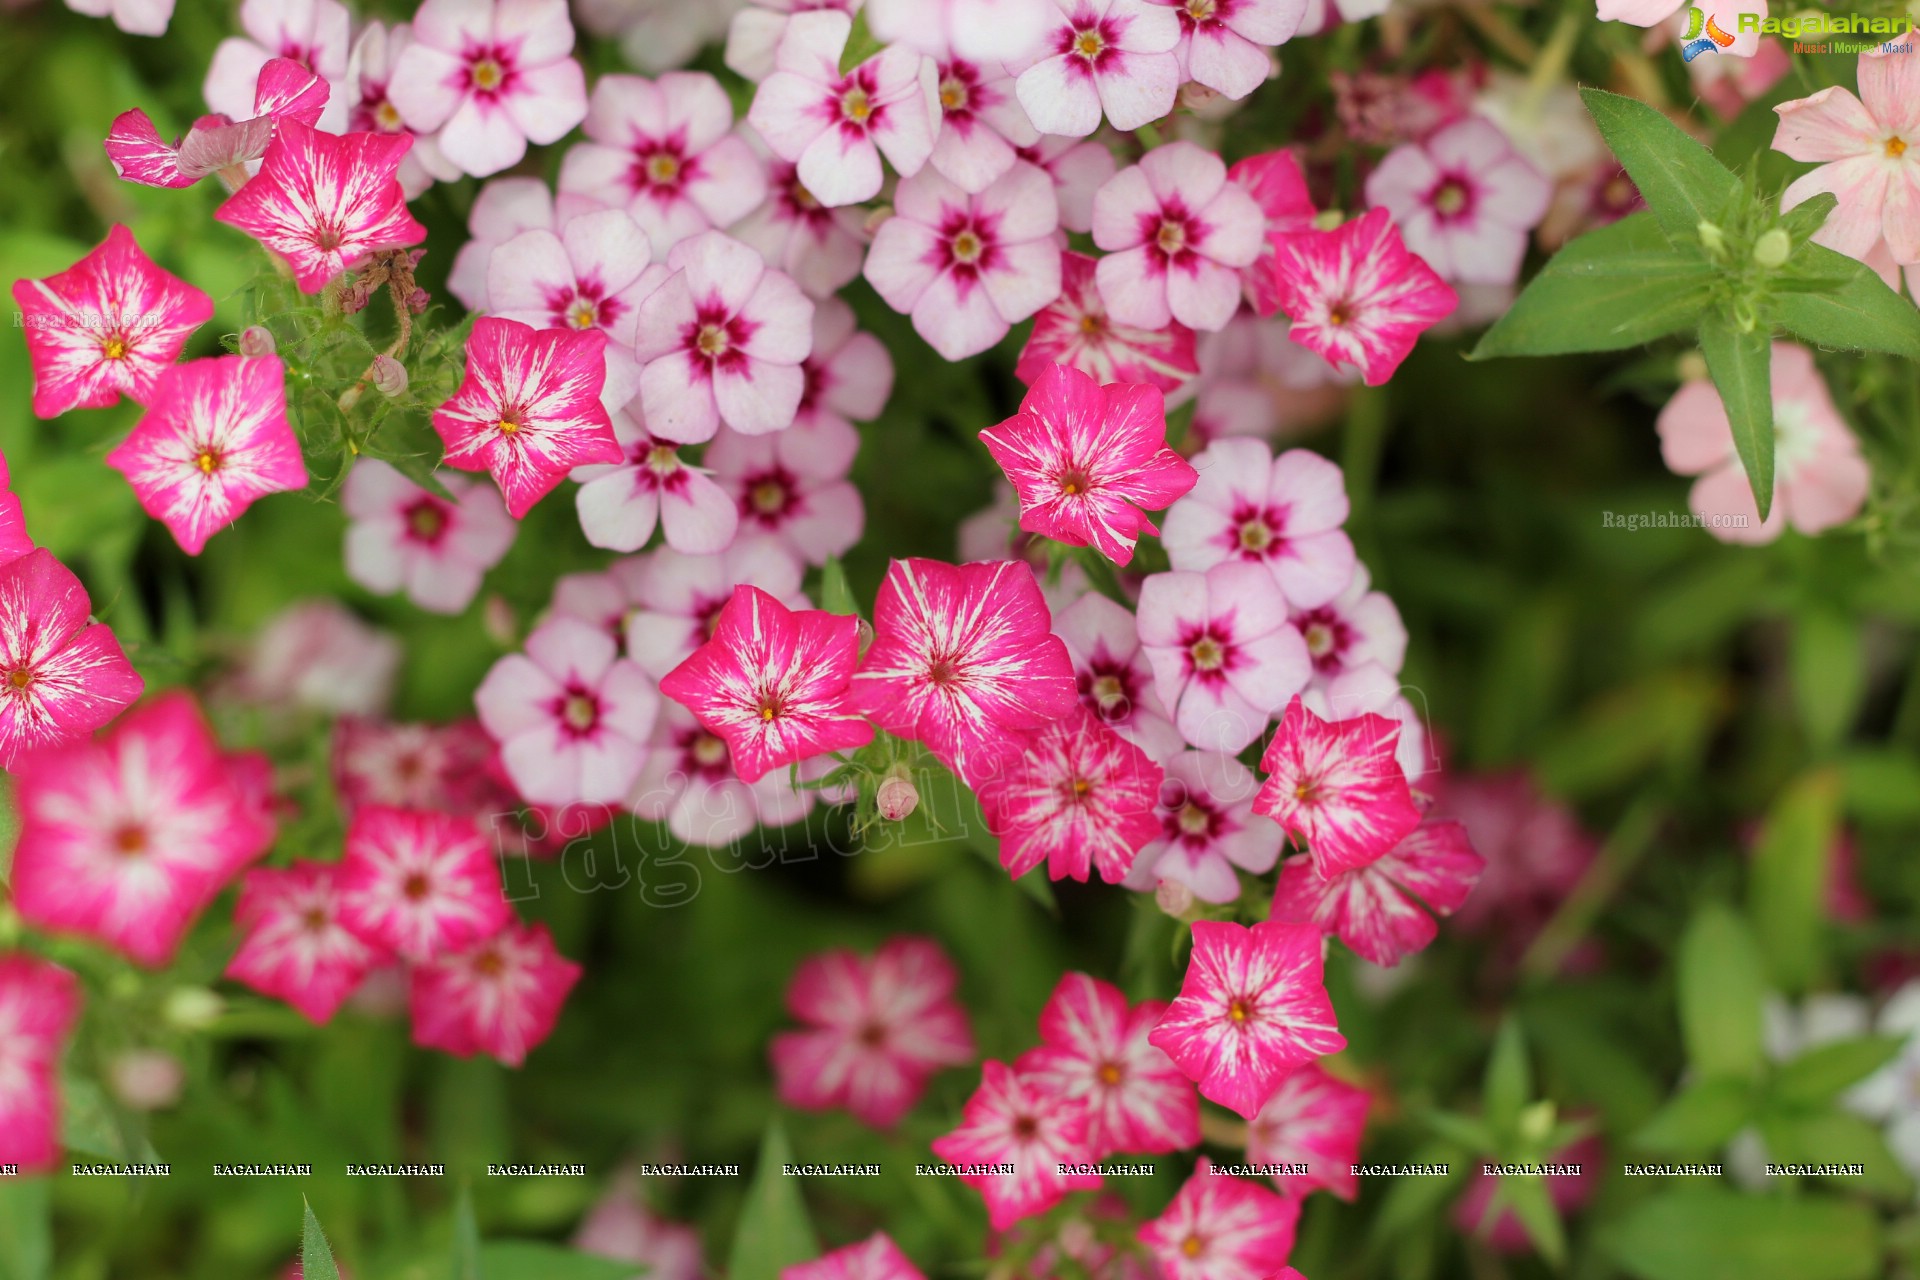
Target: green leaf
(1881, 784)
(466, 1239)
(861, 45)
(1700, 1118)
(1720, 994)
(774, 1230)
(1828, 674)
(316, 1259)
(533, 1260)
(1860, 314)
(1809, 216)
(1819, 1075)
(1509, 1081)
(1791, 870)
(1836, 1137)
(836, 596)
(1709, 1234)
(1741, 365)
(1679, 179)
(1619, 286)
(26, 1229)
(1465, 1131)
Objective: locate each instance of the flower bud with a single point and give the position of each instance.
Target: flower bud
(897, 796)
(146, 1079)
(1713, 238)
(1772, 248)
(1174, 898)
(1692, 367)
(389, 376)
(192, 1008)
(1328, 220)
(1536, 1122)
(257, 341)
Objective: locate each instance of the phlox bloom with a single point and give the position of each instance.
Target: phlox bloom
(1338, 786)
(285, 89)
(1222, 1228)
(62, 675)
(1111, 57)
(501, 996)
(294, 946)
(1464, 200)
(403, 538)
(1016, 1120)
(39, 1002)
(1316, 1120)
(419, 884)
(1074, 795)
(1376, 908)
(1075, 329)
(1176, 235)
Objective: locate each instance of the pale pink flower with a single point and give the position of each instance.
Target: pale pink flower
(504, 208)
(572, 718)
(1079, 168)
(1358, 628)
(622, 1227)
(528, 409)
(411, 765)
(317, 655)
(1356, 295)
(1277, 185)
(107, 326)
(295, 947)
(1223, 43)
(313, 33)
(678, 598)
(1338, 786)
(1112, 674)
(135, 17)
(489, 76)
(1074, 795)
(849, 373)
(1075, 330)
(1283, 514)
(126, 839)
(1094, 1053)
(657, 35)
(39, 1002)
(1207, 829)
(1019, 1121)
(875, 1030)
(875, 1258)
(420, 884)
(754, 35)
(667, 152)
(1088, 461)
(1316, 1120)
(369, 73)
(690, 784)
(722, 341)
(982, 30)
(1651, 13)
(1252, 1007)
(435, 549)
(1222, 1228)
(836, 127)
(602, 600)
(1820, 479)
(1177, 235)
(500, 997)
(963, 659)
(214, 143)
(214, 439)
(1102, 56)
(620, 504)
(792, 487)
(1224, 656)
(982, 125)
(325, 203)
(1255, 380)
(820, 247)
(772, 683)
(1376, 908)
(1464, 199)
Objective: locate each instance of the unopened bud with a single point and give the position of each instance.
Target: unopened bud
(497, 620)
(1328, 220)
(1713, 238)
(389, 376)
(1772, 248)
(192, 1008)
(257, 340)
(146, 1079)
(1174, 898)
(897, 796)
(1536, 1122)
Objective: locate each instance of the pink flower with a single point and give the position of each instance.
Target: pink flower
(14, 541)
(500, 997)
(1112, 56)
(504, 208)
(820, 247)
(1177, 234)
(1283, 514)
(981, 123)
(1222, 1228)
(792, 486)
(1338, 787)
(875, 1258)
(1017, 1120)
(572, 718)
(1651, 13)
(376, 51)
(1079, 168)
(1356, 295)
(1087, 461)
(64, 675)
(620, 505)
(876, 1029)
(1316, 1120)
(295, 946)
(754, 34)
(772, 683)
(214, 439)
(849, 373)
(622, 1227)
(1207, 829)
(1820, 478)
(107, 326)
(657, 35)
(136, 18)
(317, 655)
(1093, 1053)
(312, 33)
(1375, 909)
(679, 597)
(419, 884)
(983, 30)
(1224, 656)
(1075, 795)
(1221, 40)
(1251, 1008)
(1465, 200)
(489, 76)
(39, 1002)
(1112, 674)
(1357, 628)
(1535, 851)
(214, 143)
(962, 659)
(666, 151)
(690, 784)
(411, 765)
(126, 839)
(529, 409)
(722, 340)
(1075, 330)
(403, 538)
(968, 267)
(1276, 184)
(325, 203)
(835, 127)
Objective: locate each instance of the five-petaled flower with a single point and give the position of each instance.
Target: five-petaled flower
(62, 675)
(420, 884)
(435, 549)
(1074, 795)
(1222, 1228)
(1338, 786)
(295, 947)
(1281, 513)
(1225, 658)
(1376, 909)
(1019, 1122)
(38, 1004)
(1076, 329)
(500, 996)
(1177, 235)
(1111, 56)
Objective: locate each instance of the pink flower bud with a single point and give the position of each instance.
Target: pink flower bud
(389, 376)
(257, 341)
(897, 796)
(1174, 898)
(146, 1079)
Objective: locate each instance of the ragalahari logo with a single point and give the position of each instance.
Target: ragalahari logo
(1703, 35)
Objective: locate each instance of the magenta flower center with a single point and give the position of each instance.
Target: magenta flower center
(662, 167)
(579, 710)
(489, 70)
(1451, 198)
(1091, 40)
(1208, 653)
(1111, 1074)
(1193, 821)
(662, 459)
(1255, 535)
(426, 521)
(1108, 691)
(956, 89)
(1199, 12)
(1327, 637)
(769, 496)
(708, 752)
(328, 234)
(855, 106)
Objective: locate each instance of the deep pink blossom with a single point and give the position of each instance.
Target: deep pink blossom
(1177, 235)
(1223, 43)
(402, 765)
(62, 675)
(138, 153)
(875, 1258)
(1283, 514)
(1356, 295)
(107, 326)
(1093, 1052)
(1102, 56)
(1019, 1121)
(792, 486)
(1074, 795)
(500, 997)
(963, 659)
(1222, 1228)
(1252, 1007)
(821, 247)
(311, 33)
(1277, 185)
(678, 598)
(489, 76)
(294, 946)
(1224, 656)
(421, 885)
(1075, 329)
(1464, 199)
(370, 71)
(214, 439)
(39, 1003)
(1535, 849)
(127, 838)
(620, 505)
(835, 127)
(528, 409)
(1207, 829)
(435, 549)
(1316, 1120)
(874, 1030)
(1338, 786)
(690, 784)
(1113, 676)
(14, 540)
(1376, 908)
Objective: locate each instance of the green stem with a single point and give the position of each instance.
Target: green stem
(1574, 920)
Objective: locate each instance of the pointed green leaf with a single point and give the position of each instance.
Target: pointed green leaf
(1809, 216)
(1860, 314)
(1532, 1203)
(1741, 365)
(316, 1259)
(1679, 179)
(1700, 1119)
(1821, 1074)
(861, 45)
(1791, 870)
(1721, 990)
(1710, 1234)
(774, 1230)
(1509, 1081)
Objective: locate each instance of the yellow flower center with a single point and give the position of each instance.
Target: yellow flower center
(580, 712)
(583, 315)
(488, 75)
(1207, 654)
(712, 341)
(208, 462)
(856, 106)
(114, 348)
(967, 247)
(662, 168)
(1089, 44)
